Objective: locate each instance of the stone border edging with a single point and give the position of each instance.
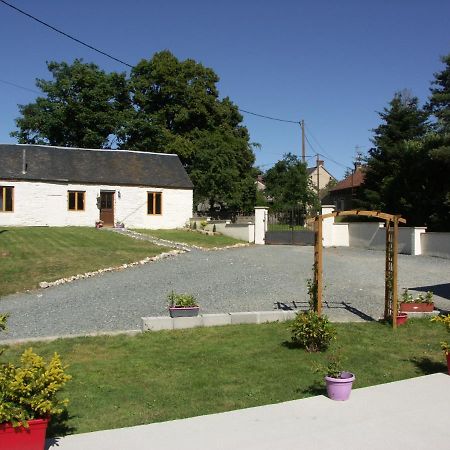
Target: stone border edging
(183, 245)
(81, 276)
(158, 323)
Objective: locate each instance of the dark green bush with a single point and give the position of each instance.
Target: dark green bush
(312, 332)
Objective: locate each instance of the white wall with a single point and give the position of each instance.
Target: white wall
(436, 244)
(45, 204)
(244, 232)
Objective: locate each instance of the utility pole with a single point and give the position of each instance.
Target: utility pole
(318, 176)
(302, 124)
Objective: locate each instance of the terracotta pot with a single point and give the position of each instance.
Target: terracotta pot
(21, 438)
(402, 318)
(416, 307)
(340, 388)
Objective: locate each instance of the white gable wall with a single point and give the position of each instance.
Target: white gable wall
(45, 204)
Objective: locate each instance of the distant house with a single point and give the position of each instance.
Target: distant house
(58, 186)
(342, 195)
(260, 184)
(324, 176)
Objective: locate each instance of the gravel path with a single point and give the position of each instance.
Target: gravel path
(241, 279)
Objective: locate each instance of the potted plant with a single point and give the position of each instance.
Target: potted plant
(182, 305)
(28, 398)
(444, 345)
(402, 318)
(338, 381)
(422, 303)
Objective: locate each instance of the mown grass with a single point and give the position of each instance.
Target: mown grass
(34, 254)
(123, 381)
(284, 227)
(193, 238)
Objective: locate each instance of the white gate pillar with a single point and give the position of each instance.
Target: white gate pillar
(327, 226)
(261, 219)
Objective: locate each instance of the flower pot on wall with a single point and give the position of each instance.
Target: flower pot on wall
(21, 438)
(188, 311)
(340, 388)
(416, 307)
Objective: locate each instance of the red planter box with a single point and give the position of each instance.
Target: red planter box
(21, 438)
(416, 307)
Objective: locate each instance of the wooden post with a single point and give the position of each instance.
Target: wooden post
(318, 262)
(395, 273)
(387, 273)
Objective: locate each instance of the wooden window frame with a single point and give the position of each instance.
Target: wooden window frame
(3, 206)
(77, 193)
(153, 197)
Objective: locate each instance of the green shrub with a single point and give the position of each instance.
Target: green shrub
(29, 391)
(181, 300)
(333, 368)
(312, 332)
(203, 224)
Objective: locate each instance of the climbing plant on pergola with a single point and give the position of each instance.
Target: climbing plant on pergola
(391, 270)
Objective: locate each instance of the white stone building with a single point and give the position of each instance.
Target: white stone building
(58, 186)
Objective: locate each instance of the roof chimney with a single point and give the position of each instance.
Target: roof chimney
(24, 161)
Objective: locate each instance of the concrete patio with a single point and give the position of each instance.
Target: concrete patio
(410, 414)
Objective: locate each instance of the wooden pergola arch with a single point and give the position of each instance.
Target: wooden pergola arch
(391, 270)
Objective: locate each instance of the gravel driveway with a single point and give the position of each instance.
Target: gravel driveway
(241, 279)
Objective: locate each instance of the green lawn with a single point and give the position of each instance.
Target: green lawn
(34, 254)
(122, 381)
(193, 238)
(284, 227)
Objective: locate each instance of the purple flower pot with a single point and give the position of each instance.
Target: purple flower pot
(339, 388)
(188, 311)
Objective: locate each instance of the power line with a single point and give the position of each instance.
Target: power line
(66, 34)
(18, 85)
(324, 154)
(265, 117)
(95, 49)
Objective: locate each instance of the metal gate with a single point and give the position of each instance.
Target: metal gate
(287, 227)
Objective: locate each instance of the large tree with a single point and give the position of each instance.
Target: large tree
(82, 106)
(289, 185)
(439, 102)
(177, 109)
(393, 174)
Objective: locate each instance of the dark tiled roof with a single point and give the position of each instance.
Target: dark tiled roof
(77, 165)
(348, 183)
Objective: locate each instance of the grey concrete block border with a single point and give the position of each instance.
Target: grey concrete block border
(212, 320)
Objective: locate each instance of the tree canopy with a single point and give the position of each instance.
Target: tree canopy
(288, 184)
(165, 105)
(407, 171)
(439, 102)
(82, 107)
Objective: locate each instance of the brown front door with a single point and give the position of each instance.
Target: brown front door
(107, 208)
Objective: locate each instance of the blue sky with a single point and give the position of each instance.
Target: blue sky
(332, 63)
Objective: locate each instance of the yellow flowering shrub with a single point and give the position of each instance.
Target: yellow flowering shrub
(445, 320)
(28, 391)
